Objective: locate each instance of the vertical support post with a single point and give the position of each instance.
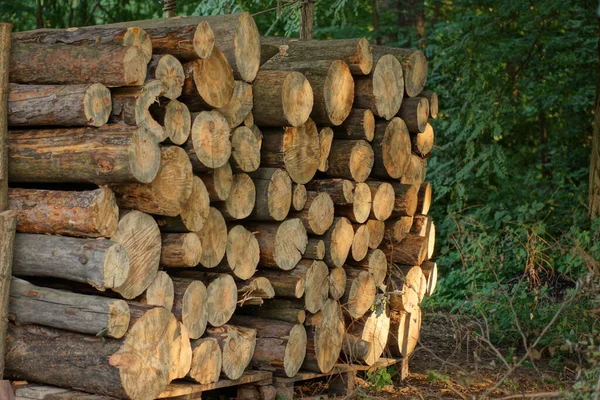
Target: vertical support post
(307, 19)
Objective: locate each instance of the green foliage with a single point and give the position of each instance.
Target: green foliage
(381, 378)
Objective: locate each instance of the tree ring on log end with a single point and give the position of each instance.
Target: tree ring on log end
(178, 122)
(316, 286)
(222, 299)
(97, 104)
(364, 56)
(295, 350)
(210, 139)
(296, 98)
(362, 202)
(137, 37)
(290, 243)
(301, 151)
(388, 86)
(243, 252)
(134, 66)
(338, 92)
(329, 336)
(340, 241)
(213, 78)
(396, 148)
(213, 238)
(279, 197)
(247, 47)
(415, 73)
(361, 161)
(204, 40)
(145, 158)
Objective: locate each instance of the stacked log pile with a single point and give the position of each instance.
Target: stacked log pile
(194, 200)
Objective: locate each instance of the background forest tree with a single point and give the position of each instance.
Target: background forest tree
(517, 85)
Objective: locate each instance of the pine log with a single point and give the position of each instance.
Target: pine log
(222, 298)
(383, 200)
(415, 112)
(341, 191)
(325, 336)
(194, 213)
(131, 106)
(136, 367)
(432, 98)
(430, 242)
(318, 213)
(404, 332)
(424, 198)
(415, 172)
(397, 229)
(376, 232)
(373, 329)
(207, 360)
(92, 213)
(180, 250)
(337, 282)
(361, 206)
(430, 271)
(59, 105)
(100, 263)
(406, 201)
(299, 196)
(218, 181)
(273, 194)
(169, 71)
(410, 279)
(180, 350)
(350, 159)
(421, 225)
(422, 143)
(355, 349)
(281, 309)
(240, 202)
(213, 238)
(281, 98)
(254, 290)
(359, 125)
(95, 315)
(237, 346)
(280, 346)
(240, 105)
(160, 293)
(414, 67)
(375, 263)
(316, 283)
(360, 243)
(382, 90)
(291, 284)
(410, 251)
(281, 245)
(63, 64)
(242, 252)
(209, 145)
(140, 236)
(360, 293)
(109, 154)
(245, 150)
(295, 149)
(338, 241)
(325, 141)
(190, 305)
(391, 147)
(315, 249)
(176, 119)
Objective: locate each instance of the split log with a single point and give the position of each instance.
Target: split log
(222, 298)
(359, 125)
(160, 293)
(280, 346)
(59, 105)
(273, 194)
(325, 336)
(414, 67)
(63, 64)
(383, 200)
(360, 243)
(375, 330)
(194, 213)
(361, 206)
(92, 213)
(295, 149)
(429, 269)
(404, 333)
(281, 98)
(337, 282)
(338, 241)
(391, 148)
(410, 251)
(350, 159)
(424, 198)
(341, 191)
(382, 90)
(240, 202)
(240, 105)
(318, 213)
(315, 249)
(136, 367)
(397, 229)
(131, 105)
(218, 181)
(360, 293)
(254, 290)
(190, 305)
(108, 154)
(213, 238)
(237, 347)
(245, 149)
(176, 119)
(100, 263)
(140, 236)
(209, 146)
(281, 245)
(169, 71)
(432, 98)
(325, 141)
(168, 193)
(95, 315)
(282, 310)
(242, 252)
(415, 172)
(180, 250)
(406, 201)
(422, 143)
(376, 232)
(375, 263)
(207, 361)
(299, 196)
(415, 112)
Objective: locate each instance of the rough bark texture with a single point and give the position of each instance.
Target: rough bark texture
(404, 332)
(416, 171)
(341, 191)
(281, 245)
(315, 249)
(350, 159)
(7, 235)
(180, 250)
(406, 200)
(430, 269)
(397, 229)
(432, 98)
(424, 198)
(415, 112)
(411, 251)
(381, 91)
(282, 310)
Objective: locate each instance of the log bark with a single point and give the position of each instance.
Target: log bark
(338, 241)
(341, 191)
(180, 250)
(424, 198)
(429, 269)
(350, 159)
(168, 193)
(169, 71)
(100, 263)
(355, 349)
(213, 238)
(359, 125)
(325, 335)
(404, 333)
(410, 251)
(360, 293)
(295, 149)
(190, 305)
(414, 67)
(421, 225)
(218, 181)
(193, 214)
(315, 249)
(242, 252)
(422, 143)
(291, 285)
(176, 119)
(240, 105)
(207, 360)
(325, 141)
(432, 98)
(95, 315)
(318, 213)
(160, 293)
(245, 150)
(360, 243)
(92, 213)
(237, 346)
(391, 149)
(109, 154)
(415, 172)
(361, 207)
(240, 202)
(281, 245)
(415, 112)
(281, 98)
(397, 229)
(209, 146)
(382, 90)
(273, 194)
(253, 291)
(337, 282)
(376, 232)
(299, 196)
(58, 105)
(406, 201)
(373, 329)
(282, 310)
(375, 263)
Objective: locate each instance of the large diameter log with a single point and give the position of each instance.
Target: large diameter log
(139, 234)
(207, 360)
(383, 199)
(273, 194)
(240, 105)
(415, 172)
(337, 282)
(95, 315)
(382, 90)
(341, 191)
(237, 347)
(392, 149)
(282, 310)
(424, 198)
(136, 367)
(209, 145)
(360, 294)
(169, 71)
(190, 305)
(338, 241)
(360, 243)
(410, 251)
(375, 263)
(422, 143)
(415, 112)
(240, 202)
(218, 181)
(242, 252)
(254, 290)
(281, 98)
(180, 250)
(318, 213)
(281, 245)
(430, 269)
(315, 249)
(397, 229)
(280, 346)
(61, 64)
(325, 338)
(414, 67)
(406, 200)
(100, 263)
(296, 149)
(432, 98)
(160, 293)
(109, 154)
(404, 332)
(350, 159)
(92, 213)
(361, 206)
(176, 119)
(325, 141)
(213, 238)
(376, 232)
(298, 196)
(359, 125)
(168, 193)
(245, 149)
(375, 330)
(194, 213)
(61, 105)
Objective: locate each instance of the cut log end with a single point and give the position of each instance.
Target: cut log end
(375, 330)
(337, 282)
(383, 201)
(237, 346)
(290, 243)
(210, 139)
(137, 37)
(191, 305)
(360, 244)
(297, 98)
(170, 72)
(243, 252)
(392, 154)
(160, 292)
(301, 152)
(279, 195)
(415, 73)
(360, 295)
(316, 286)
(338, 92)
(134, 66)
(404, 332)
(180, 250)
(424, 198)
(204, 40)
(363, 202)
(97, 104)
(178, 122)
(415, 112)
(299, 197)
(247, 47)
(432, 98)
(327, 338)
(422, 143)
(315, 249)
(213, 238)
(376, 232)
(363, 60)
(206, 361)
(218, 182)
(213, 79)
(388, 86)
(239, 108)
(240, 202)
(320, 213)
(339, 241)
(145, 162)
(245, 151)
(325, 140)
(196, 209)
(222, 299)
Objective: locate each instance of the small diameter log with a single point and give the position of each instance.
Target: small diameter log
(397, 229)
(273, 194)
(140, 236)
(239, 106)
(281, 309)
(382, 90)
(406, 201)
(391, 147)
(207, 360)
(242, 252)
(295, 149)
(136, 367)
(180, 250)
(361, 205)
(318, 213)
(338, 241)
(325, 335)
(190, 305)
(430, 242)
(160, 293)
(280, 346)
(169, 71)
(405, 287)
(299, 196)
(237, 347)
(92, 213)
(325, 140)
(61, 64)
(100, 263)
(315, 249)
(213, 238)
(424, 198)
(375, 263)
(375, 330)
(218, 181)
(421, 225)
(430, 271)
(360, 243)
(405, 330)
(415, 112)
(108, 154)
(422, 143)
(383, 199)
(254, 290)
(281, 98)
(209, 145)
(359, 125)
(432, 98)
(410, 251)
(245, 149)
(360, 293)
(194, 213)
(414, 67)
(59, 105)
(176, 119)
(95, 315)
(376, 232)
(350, 159)
(168, 193)
(341, 191)
(337, 282)
(240, 202)
(281, 245)
(415, 172)
(208, 82)
(131, 105)
(290, 285)
(222, 298)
